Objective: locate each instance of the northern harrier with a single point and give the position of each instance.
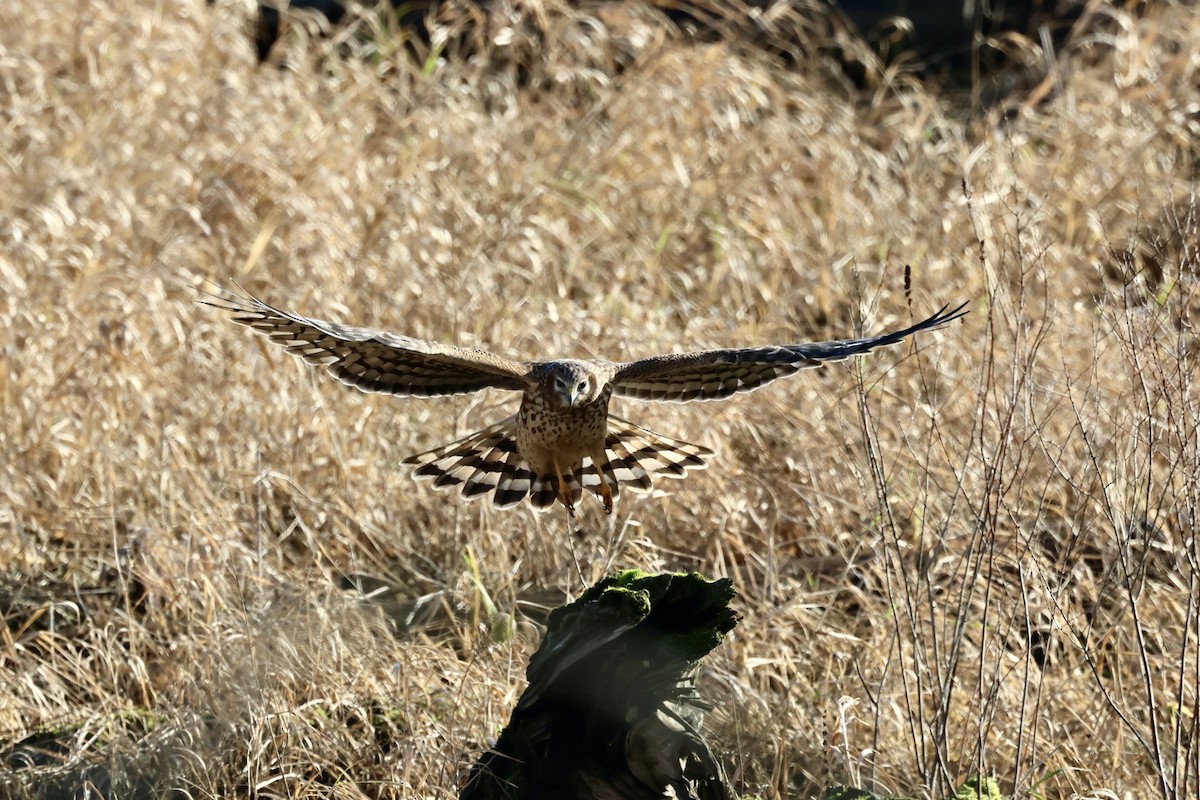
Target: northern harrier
(562, 440)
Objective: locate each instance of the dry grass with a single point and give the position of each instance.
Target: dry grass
(973, 555)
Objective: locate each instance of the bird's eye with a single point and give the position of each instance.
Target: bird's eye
(582, 387)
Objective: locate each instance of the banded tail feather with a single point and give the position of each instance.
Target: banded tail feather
(487, 461)
(634, 453)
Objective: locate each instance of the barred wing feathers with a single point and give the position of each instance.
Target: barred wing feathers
(376, 361)
(714, 374)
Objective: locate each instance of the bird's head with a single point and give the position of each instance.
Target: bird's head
(571, 383)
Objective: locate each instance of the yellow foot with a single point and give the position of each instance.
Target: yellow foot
(564, 497)
(603, 490)
(564, 489)
(605, 497)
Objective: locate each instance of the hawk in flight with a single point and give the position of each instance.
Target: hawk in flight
(562, 440)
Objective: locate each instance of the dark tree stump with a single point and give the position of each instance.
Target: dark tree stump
(611, 711)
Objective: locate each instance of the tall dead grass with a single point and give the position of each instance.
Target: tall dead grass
(974, 554)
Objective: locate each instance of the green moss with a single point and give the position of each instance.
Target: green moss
(979, 788)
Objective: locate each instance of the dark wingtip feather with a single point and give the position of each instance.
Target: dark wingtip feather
(944, 316)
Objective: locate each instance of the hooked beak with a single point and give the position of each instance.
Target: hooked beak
(573, 396)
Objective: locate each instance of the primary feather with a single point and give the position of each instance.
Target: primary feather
(714, 374)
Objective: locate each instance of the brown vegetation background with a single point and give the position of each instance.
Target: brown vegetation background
(972, 553)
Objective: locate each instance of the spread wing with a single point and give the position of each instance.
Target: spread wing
(714, 374)
(374, 361)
